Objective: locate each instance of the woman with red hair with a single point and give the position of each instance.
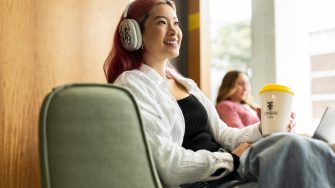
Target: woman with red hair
(191, 146)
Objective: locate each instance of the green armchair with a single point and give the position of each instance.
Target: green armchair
(91, 135)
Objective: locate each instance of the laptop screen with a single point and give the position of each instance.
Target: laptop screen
(326, 129)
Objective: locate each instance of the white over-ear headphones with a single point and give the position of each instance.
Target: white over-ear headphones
(130, 33)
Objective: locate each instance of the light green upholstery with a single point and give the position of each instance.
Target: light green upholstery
(91, 136)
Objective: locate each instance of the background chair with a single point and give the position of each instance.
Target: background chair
(91, 135)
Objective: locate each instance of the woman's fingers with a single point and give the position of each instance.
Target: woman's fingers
(292, 122)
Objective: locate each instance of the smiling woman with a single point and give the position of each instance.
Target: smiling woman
(190, 144)
(161, 25)
(146, 27)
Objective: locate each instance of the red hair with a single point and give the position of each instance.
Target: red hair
(119, 59)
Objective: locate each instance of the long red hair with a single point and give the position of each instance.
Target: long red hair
(119, 59)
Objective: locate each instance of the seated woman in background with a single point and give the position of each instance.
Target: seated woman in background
(234, 103)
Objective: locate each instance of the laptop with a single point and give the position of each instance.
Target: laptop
(326, 129)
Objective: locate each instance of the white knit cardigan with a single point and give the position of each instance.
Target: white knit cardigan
(164, 125)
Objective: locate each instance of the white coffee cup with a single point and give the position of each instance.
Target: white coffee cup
(276, 102)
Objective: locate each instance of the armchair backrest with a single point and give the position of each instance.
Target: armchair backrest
(91, 135)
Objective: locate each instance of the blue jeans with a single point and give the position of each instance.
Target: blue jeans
(288, 160)
(282, 160)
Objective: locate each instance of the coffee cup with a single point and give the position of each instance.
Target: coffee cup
(276, 102)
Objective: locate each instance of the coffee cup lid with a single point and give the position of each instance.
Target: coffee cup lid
(276, 87)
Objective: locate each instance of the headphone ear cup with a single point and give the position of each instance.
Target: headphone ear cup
(130, 33)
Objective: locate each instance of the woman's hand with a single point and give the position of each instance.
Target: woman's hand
(239, 150)
(291, 123)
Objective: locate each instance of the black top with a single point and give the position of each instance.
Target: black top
(197, 135)
(196, 125)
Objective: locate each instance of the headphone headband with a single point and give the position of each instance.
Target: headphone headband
(125, 12)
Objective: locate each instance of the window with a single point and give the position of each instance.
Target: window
(294, 44)
(231, 39)
(322, 52)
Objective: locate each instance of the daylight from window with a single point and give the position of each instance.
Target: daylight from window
(231, 47)
(231, 38)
